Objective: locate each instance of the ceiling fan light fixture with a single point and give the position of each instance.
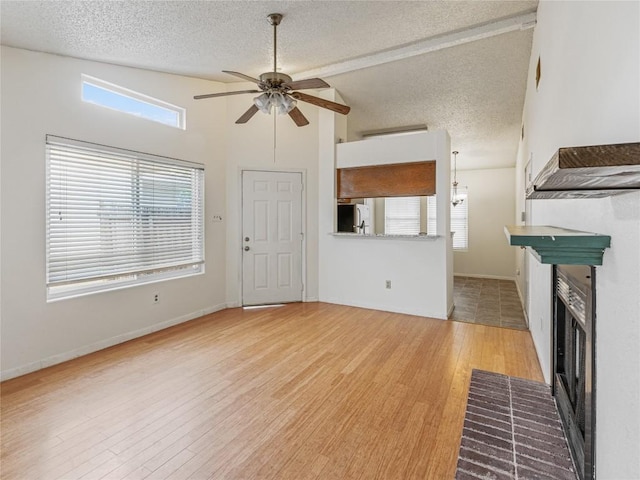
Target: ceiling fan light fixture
(263, 102)
(283, 103)
(274, 101)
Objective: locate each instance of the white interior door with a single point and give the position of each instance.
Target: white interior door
(271, 237)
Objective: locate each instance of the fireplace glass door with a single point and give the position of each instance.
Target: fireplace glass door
(574, 361)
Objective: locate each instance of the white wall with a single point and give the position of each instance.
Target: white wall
(41, 95)
(589, 94)
(490, 208)
(353, 270)
(251, 146)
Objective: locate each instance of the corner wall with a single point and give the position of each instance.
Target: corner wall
(589, 95)
(41, 94)
(490, 207)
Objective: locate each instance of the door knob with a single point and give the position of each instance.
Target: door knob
(246, 239)
(246, 249)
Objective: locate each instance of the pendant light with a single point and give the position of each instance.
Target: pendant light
(455, 199)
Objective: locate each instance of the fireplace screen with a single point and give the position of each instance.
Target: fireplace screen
(574, 361)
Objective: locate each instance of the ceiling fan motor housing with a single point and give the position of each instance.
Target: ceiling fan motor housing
(274, 79)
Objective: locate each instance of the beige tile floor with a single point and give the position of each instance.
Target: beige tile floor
(488, 302)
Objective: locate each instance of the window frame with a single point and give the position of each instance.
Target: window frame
(146, 218)
(141, 98)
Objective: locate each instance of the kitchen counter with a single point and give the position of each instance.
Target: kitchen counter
(384, 236)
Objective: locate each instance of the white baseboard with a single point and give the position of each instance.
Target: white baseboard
(524, 308)
(310, 299)
(109, 342)
(384, 308)
(490, 277)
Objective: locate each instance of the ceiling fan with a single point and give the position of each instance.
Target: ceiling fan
(278, 90)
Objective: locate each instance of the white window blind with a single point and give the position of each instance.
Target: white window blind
(459, 219)
(402, 215)
(432, 216)
(117, 217)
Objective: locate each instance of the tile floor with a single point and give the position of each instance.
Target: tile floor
(488, 302)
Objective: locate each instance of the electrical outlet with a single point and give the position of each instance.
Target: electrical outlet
(387, 284)
(217, 218)
(156, 298)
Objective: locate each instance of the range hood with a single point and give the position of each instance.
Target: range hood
(589, 172)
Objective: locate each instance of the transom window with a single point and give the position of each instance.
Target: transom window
(122, 99)
(117, 217)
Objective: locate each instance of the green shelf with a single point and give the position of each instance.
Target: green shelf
(559, 246)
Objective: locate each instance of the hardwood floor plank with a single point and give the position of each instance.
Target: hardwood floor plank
(304, 391)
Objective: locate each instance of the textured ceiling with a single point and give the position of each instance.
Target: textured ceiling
(475, 90)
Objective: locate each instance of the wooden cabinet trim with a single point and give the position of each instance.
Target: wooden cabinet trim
(390, 180)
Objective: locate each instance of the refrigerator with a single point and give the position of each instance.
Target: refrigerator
(354, 218)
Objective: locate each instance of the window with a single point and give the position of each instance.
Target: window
(402, 215)
(112, 96)
(432, 216)
(117, 218)
(459, 219)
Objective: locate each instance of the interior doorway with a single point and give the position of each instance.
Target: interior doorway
(272, 237)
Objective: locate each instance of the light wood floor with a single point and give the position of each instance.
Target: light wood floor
(302, 391)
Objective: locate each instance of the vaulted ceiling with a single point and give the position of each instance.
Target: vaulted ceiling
(457, 65)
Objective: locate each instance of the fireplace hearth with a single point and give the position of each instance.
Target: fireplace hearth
(574, 379)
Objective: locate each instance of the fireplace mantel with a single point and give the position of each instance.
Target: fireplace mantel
(589, 172)
(559, 246)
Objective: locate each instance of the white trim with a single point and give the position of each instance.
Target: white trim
(418, 312)
(109, 342)
(134, 95)
(524, 310)
(490, 277)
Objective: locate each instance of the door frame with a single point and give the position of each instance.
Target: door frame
(303, 214)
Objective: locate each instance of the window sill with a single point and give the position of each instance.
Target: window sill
(113, 286)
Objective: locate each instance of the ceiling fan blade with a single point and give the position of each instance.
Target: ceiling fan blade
(297, 116)
(243, 76)
(321, 102)
(246, 116)
(308, 83)
(224, 94)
